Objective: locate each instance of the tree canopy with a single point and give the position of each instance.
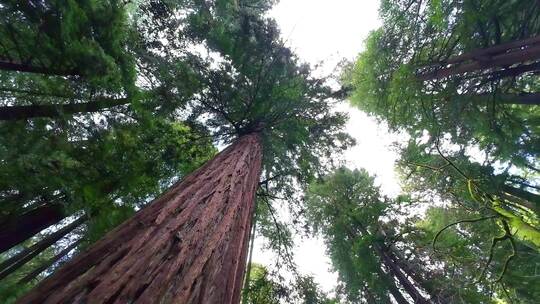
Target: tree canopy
(107, 107)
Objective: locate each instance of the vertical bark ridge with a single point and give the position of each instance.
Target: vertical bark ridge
(187, 246)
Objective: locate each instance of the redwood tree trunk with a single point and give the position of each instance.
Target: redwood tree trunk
(20, 228)
(187, 246)
(523, 194)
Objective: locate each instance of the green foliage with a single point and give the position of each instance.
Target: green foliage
(175, 103)
(10, 290)
(474, 147)
(85, 38)
(475, 108)
(261, 288)
(264, 287)
(345, 208)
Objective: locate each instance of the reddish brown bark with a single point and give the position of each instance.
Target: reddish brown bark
(187, 246)
(20, 228)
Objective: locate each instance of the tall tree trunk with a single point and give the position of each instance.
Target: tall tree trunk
(369, 295)
(522, 99)
(17, 229)
(514, 71)
(34, 273)
(56, 110)
(15, 262)
(17, 91)
(531, 99)
(187, 246)
(496, 49)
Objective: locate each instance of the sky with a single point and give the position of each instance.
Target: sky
(329, 30)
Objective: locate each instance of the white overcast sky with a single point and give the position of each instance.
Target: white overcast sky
(328, 30)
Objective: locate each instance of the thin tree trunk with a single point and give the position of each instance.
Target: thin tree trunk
(56, 110)
(13, 91)
(517, 99)
(394, 291)
(488, 58)
(248, 267)
(368, 295)
(478, 53)
(18, 229)
(20, 67)
(407, 269)
(523, 194)
(403, 281)
(32, 275)
(395, 271)
(521, 99)
(519, 202)
(15, 262)
(514, 71)
(187, 246)
(388, 278)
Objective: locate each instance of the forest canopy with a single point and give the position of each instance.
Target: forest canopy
(146, 145)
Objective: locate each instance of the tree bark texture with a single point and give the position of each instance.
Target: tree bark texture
(20, 228)
(187, 246)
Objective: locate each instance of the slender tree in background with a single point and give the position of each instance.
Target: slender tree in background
(346, 208)
(480, 224)
(380, 249)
